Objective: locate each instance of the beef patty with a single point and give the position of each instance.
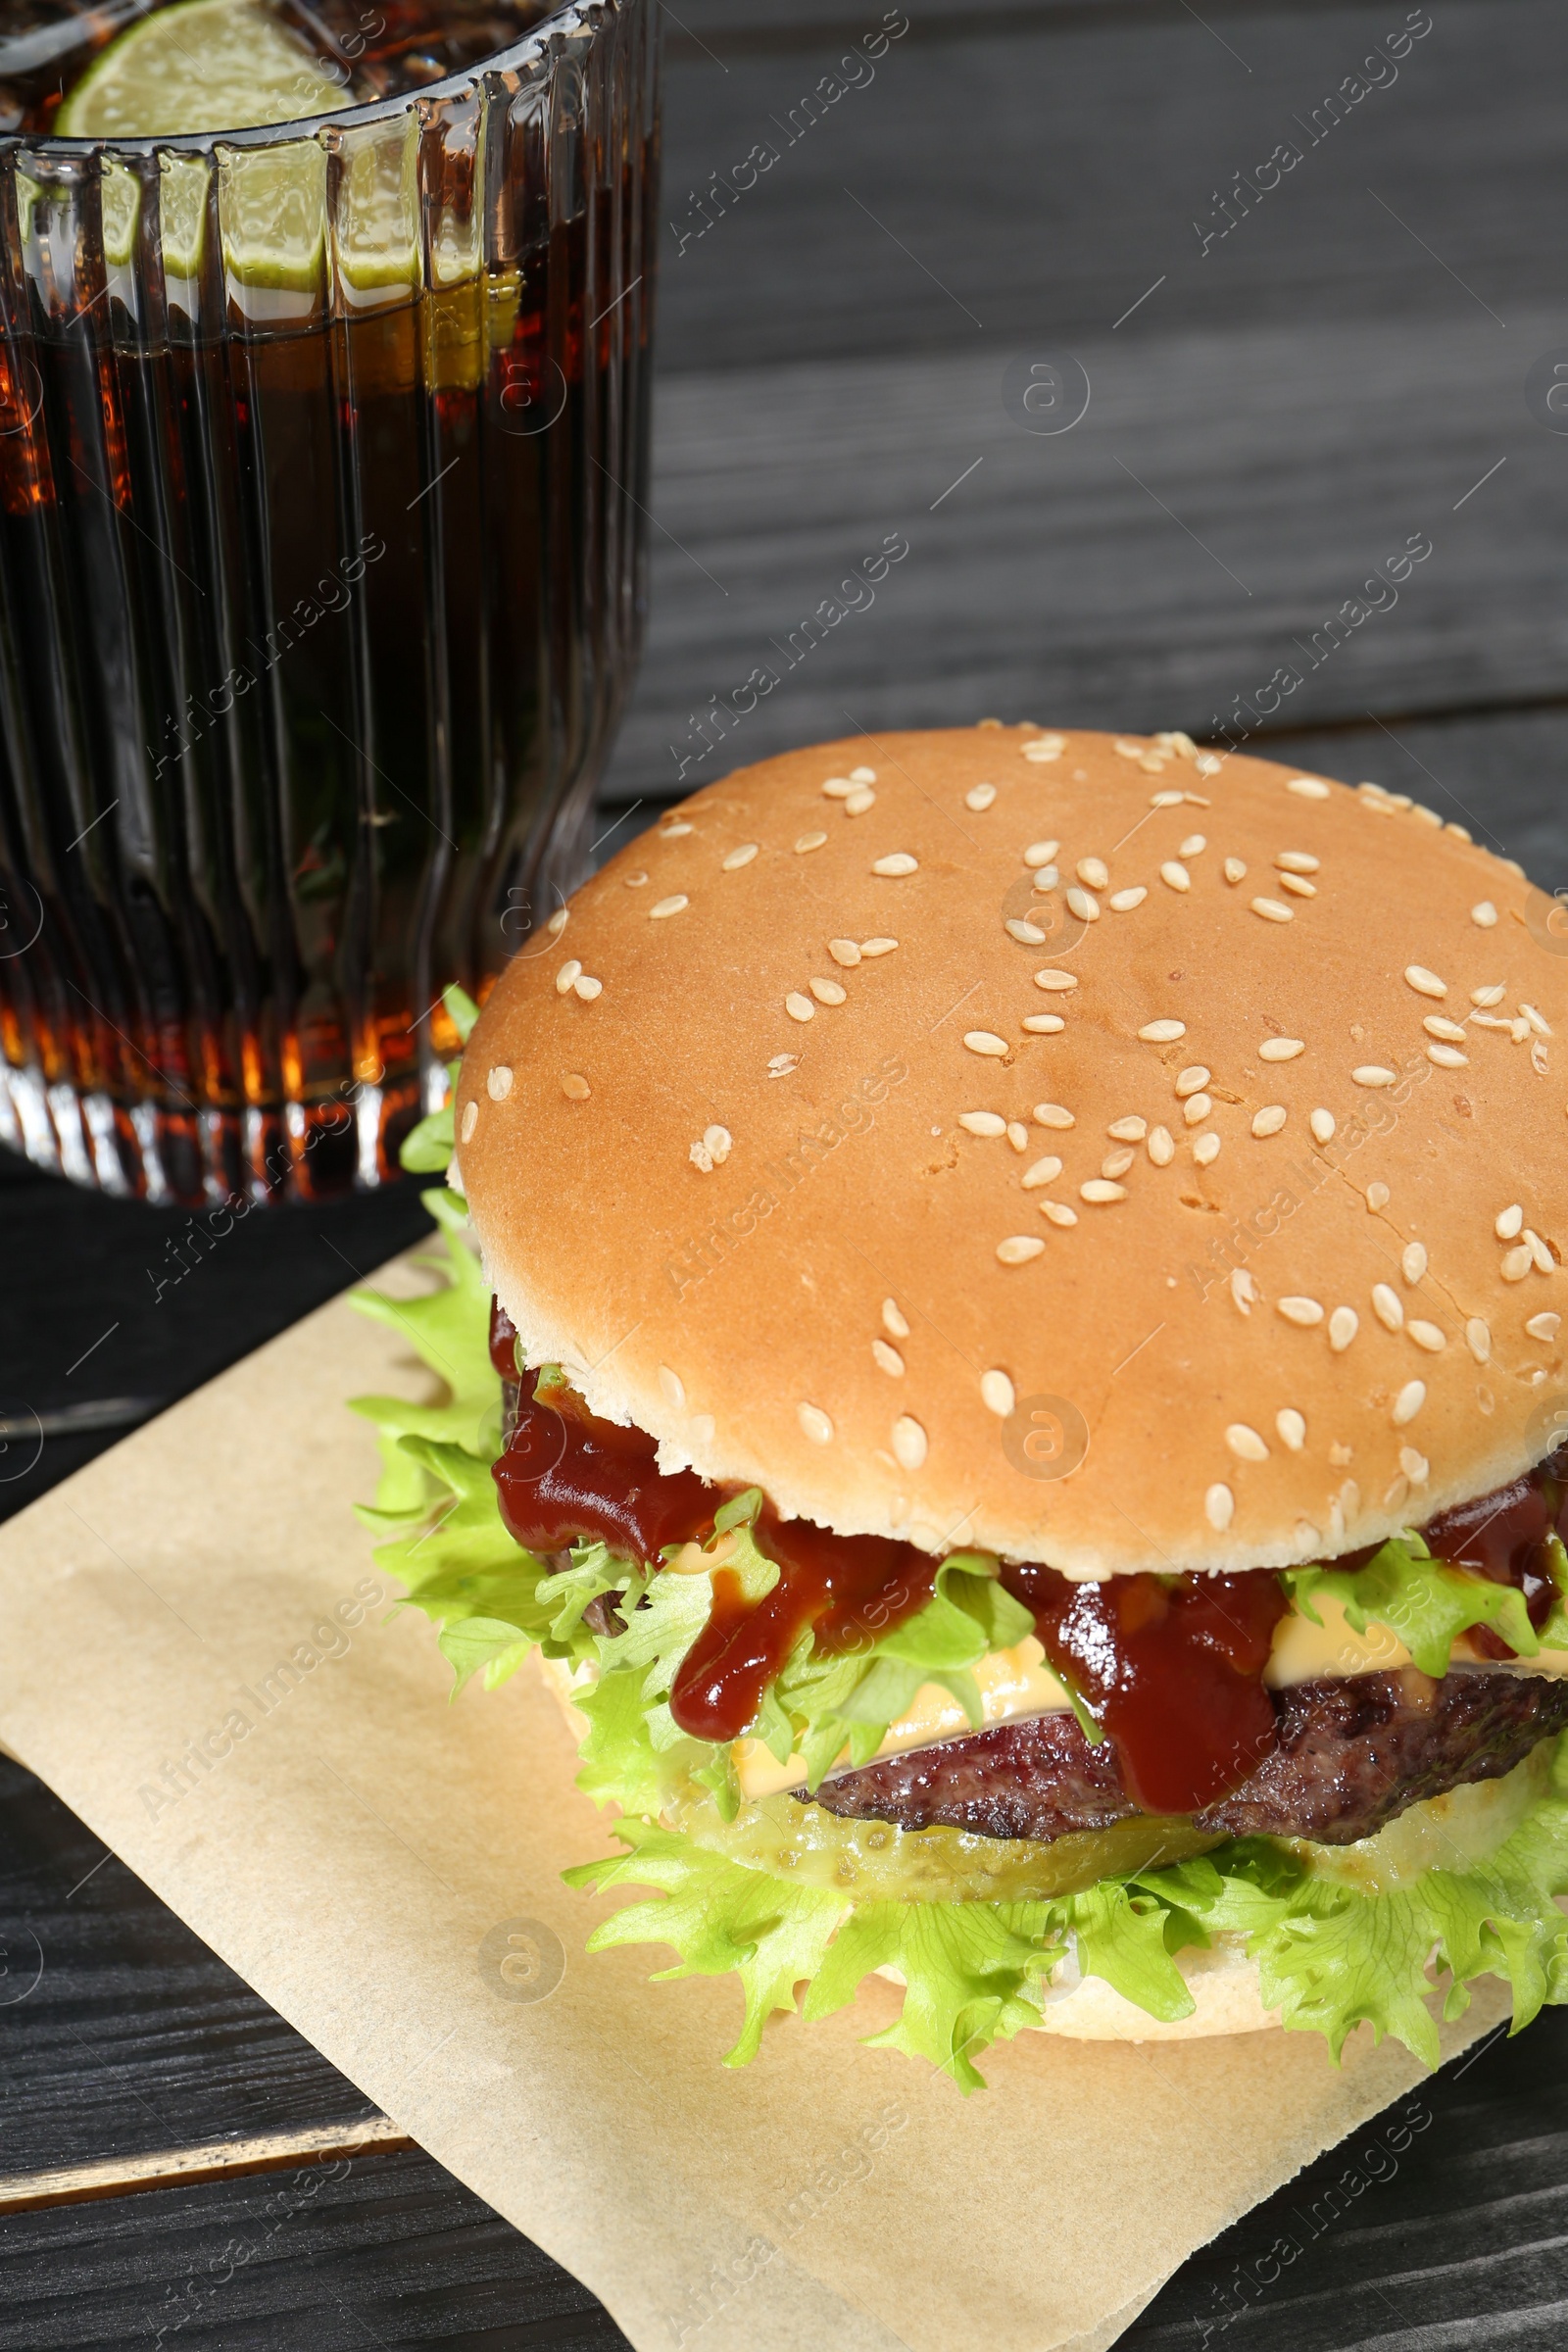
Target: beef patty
(1353, 1751)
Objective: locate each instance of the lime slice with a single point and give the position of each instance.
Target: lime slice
(201, 66)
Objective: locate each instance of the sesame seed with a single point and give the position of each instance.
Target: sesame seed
(1122, 902)
(1302, 1311)
(1041, 1172)
(1192, 1080)
(1322, 1123)
(984, 1041)
(1270, 1119)
(1162, 1033)
(860, 802)
(845, 952)
(997, 1394)
(780, 1064)
(1478, 1338)
(1377, 1195)
(587, 987)
(894, 1323)
(838, 788)
(1028, 935)
(1425, 983)
(1043, 1024)
(982, 1122)
(1161, 1146)
(1051, 1114)
(558, 920)
(1219, 1507)
(1280, 1049)
(877, 947)
(1018, 1135)
(671, 829)
(1418, 1469)
(1244, 1289)
(890, 1362)
(470, 1120)
(1486, 914)
(1165, 800)
(1413, 1261)
(1018, 1248)
(1175, 875)
(1196, 1109)
(1043, 749)
(900, 863)
(1344, 1324)
(1298, 861)
(1545, 1261)
(566, 976)
(676, 903)
(1517, 1264)
(1436, 1025)
(1235, 869)
(979, 796)
(718, 1142)
(798, 1007)
(1041, 852)
(1540, 1027)
(634, 881)
(674, 1389)
(1408, 1402)
(1058, 1213)
(1246, 1444)
(809, 841)
(575, 1087)
(1131, 751)
(1428, 1336)
(1509, 1223)
(1094, 871)
(1448, 1058)
(1372, 1073)
(497, 1082)
(1192, 847)
(863, 775)
(1544, 1327)
(1489, 996)
(1098, 1191)
(1116, 1164)
(1388, 1306)
(816, 1423)
(1299, 886)
(1082, 906)
(1206, 1149)
(1273, 911)
(1128, 1131)
(1307, 788)
(1207, 766)
(1152, 764)
(828, 992)
(1046, 878)
(1291, 1427)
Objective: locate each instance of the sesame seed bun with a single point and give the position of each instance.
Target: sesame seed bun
(761, 1143)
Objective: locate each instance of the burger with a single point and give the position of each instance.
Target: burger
(1013, 1380)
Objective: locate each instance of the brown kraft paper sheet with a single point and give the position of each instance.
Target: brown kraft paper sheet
(196, 1654)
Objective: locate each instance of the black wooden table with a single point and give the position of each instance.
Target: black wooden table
(1293, 368)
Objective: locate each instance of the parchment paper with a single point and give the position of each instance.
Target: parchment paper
(189, 1657)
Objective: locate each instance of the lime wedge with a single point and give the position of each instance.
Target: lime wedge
(201, 66)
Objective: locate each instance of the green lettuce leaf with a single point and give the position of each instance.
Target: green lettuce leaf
(1423, 1600)
(1329, 1957)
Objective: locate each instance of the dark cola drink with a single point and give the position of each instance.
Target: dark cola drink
(323, 458)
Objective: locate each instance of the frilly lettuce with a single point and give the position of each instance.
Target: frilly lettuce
(1329, 1957)
(1428, 1604)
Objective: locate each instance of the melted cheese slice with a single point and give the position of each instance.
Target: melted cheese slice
(1015, 1684)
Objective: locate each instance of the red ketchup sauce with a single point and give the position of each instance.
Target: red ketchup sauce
(1503, 1536)
(1170, 1667)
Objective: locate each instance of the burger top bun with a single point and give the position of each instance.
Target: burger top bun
(1069, 1145)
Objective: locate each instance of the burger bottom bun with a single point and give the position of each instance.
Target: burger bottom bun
(1222, 1981)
